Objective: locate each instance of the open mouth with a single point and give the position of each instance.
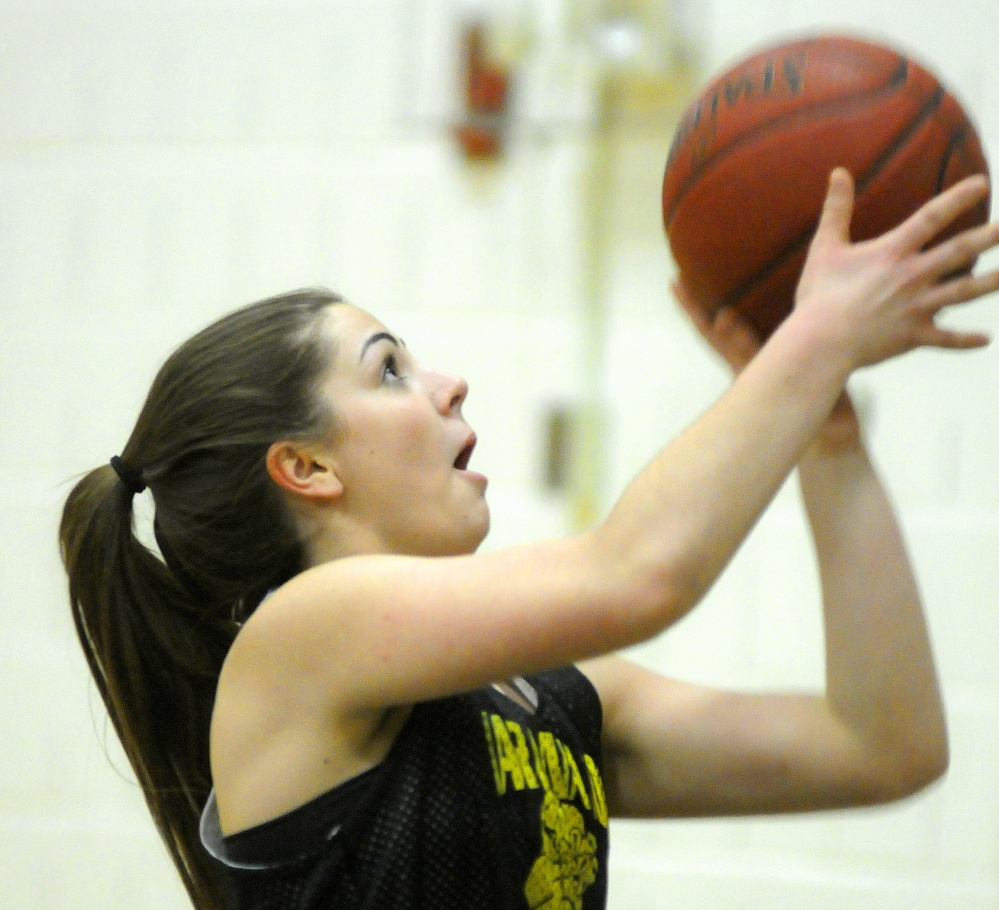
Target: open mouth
(464, 456)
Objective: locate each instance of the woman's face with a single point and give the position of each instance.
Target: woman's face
(401, 445)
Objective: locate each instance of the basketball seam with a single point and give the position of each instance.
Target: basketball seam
(956, 139)
(804, 238)
(819, 109)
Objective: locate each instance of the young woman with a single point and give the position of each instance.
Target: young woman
(360, 711)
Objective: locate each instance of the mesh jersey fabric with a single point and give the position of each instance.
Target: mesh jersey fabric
(480, 804)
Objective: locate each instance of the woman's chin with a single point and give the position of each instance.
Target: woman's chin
(475, 532)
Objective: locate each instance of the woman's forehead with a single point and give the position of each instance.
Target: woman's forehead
(352, 326)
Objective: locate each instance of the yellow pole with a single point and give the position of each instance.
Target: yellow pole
(589, 453)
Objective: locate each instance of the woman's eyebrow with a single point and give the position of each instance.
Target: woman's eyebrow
(374, 339)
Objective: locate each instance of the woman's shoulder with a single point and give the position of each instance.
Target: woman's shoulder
(278, 735)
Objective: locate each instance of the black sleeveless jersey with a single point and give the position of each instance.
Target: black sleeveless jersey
(479, 805)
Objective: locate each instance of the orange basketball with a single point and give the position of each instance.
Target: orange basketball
(750, 163)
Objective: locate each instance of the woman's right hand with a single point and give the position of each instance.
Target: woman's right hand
(881, 296)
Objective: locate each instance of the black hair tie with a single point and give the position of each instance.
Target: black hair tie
(128, 475)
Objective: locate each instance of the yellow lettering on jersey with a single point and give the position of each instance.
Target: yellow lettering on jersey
(509, 760)
(520, 747)
(493, 757)
(597, 790)
(573, 777)
(553, 764)
(539, 765)
(520, 759)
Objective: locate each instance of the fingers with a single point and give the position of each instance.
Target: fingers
(837, 210)
(921, 227)
(735, 339)
(960, 252)
(959, 290)
(728, 332)
(937, 337)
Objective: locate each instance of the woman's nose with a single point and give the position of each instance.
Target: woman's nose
(451, 392)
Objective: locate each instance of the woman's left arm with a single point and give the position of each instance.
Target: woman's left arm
(877, 734)
(880, 677)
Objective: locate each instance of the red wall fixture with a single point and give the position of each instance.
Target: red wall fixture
(486, 92)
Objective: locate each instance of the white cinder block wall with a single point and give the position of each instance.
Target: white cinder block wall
(160, 164)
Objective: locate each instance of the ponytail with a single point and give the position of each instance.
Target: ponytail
(155, 628)
(155, 666)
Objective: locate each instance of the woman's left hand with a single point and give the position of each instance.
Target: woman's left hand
(736, 341)
(729, 333)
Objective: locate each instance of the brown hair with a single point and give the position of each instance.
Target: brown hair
(156, 628)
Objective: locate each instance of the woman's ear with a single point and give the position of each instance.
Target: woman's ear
(293, 467)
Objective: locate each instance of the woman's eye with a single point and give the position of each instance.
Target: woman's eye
(390, 369)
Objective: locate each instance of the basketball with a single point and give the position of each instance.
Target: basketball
(749, 165)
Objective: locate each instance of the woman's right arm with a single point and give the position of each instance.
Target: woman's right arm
(375, 631)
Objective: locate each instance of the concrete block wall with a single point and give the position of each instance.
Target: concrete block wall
(162, 164)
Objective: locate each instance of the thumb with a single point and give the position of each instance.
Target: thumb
(837, 210)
